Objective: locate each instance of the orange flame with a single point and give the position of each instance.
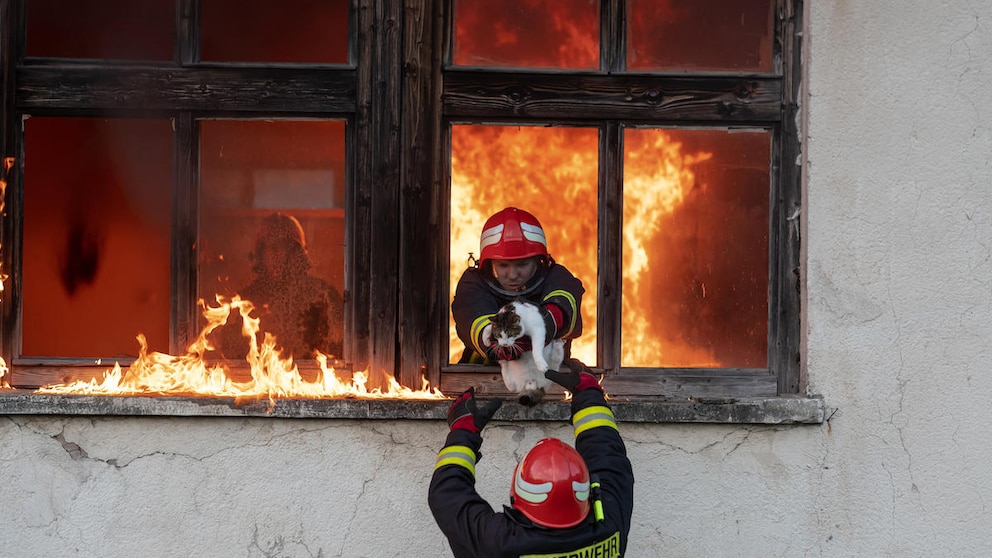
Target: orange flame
(272, 375)
(553, 173)
(657, 177)
(550, 172)
(8, 163)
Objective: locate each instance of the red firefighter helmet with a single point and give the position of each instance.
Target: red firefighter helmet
(551, 485)
(512, 234)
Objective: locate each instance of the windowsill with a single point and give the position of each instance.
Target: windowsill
(766, 410)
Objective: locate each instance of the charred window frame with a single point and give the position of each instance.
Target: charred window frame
(399, 99)
(187, 90)
(613, 99)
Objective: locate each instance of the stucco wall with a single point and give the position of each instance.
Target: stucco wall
(898, 260)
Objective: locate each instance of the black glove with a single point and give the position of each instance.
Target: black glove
(579, 379)
(466, 414)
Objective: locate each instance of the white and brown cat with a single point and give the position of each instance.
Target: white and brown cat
(525, 375)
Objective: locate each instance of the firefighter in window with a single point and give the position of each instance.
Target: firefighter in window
(304, 312)
(513, 264)
(563, 501)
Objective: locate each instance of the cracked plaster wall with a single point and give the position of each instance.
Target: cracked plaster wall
(898, 267)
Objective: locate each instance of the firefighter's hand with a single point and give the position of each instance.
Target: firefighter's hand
(579, 379)
(466, 414)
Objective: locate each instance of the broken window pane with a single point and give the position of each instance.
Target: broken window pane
(549, 172)
(121, 29)
(695, 250)
(97, 218)
(301, 31)
(700, 35)
(272, 230)
(527, 33)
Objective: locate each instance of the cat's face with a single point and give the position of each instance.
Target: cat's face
(506, 327)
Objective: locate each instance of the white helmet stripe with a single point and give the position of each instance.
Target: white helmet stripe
(533, 493)
(534, 233)
(491, 236)
(581, 490)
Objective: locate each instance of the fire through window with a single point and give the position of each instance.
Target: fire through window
(695, 231)
(162, 161)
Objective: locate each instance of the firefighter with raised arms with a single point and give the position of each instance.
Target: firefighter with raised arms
(565, 502)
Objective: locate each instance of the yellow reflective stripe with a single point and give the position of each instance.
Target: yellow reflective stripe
(478, 325)
(593, 417)
(571, 301)
(456, 455)
(609, 548)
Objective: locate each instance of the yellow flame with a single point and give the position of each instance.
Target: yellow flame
(657, 176)
(272, 375)
(543, 168)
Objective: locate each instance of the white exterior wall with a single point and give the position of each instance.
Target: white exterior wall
(898, 239)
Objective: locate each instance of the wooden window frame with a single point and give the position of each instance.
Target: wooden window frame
(612, 99)
(399, 98)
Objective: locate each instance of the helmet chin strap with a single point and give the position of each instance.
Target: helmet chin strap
(537, 280)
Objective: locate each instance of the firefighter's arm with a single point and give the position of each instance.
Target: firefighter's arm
(561, 304)
(472, 309)
(597, 437)
(457, 507)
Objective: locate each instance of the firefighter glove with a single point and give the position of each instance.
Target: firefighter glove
(466, 414)
(579, 379)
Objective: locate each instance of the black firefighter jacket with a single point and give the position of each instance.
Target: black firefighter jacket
(475, 530)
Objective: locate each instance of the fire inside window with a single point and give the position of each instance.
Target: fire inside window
(97, 264)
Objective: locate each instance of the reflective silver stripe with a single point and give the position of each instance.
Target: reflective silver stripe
(478, 325)
(592, 417)
(456, 455)
(571, 301)
(533, 233)
(491, 236)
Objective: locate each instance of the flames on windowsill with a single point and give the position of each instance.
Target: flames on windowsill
(272, 375)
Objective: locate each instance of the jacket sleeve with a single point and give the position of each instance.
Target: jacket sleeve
(465, 518)
(472, 309)
(565, 291)
(597, 439)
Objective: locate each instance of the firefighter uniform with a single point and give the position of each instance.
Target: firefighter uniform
(473, 529)
(476, 302)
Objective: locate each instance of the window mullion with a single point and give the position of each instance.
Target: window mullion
(185, 220)
(610, 225)
(612, 52)
(187, 32)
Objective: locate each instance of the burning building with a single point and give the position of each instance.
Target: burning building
(144, 163)
(679, 153)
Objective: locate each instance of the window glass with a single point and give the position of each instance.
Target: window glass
(302, 31)
(549, 172)
(121, 29)
(272, 230)
(97, 218)
(695, 250)
(527, 33)
(699, 35)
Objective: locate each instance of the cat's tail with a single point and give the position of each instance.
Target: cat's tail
(530, 397)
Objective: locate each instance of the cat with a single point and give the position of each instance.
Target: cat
(525, 375)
